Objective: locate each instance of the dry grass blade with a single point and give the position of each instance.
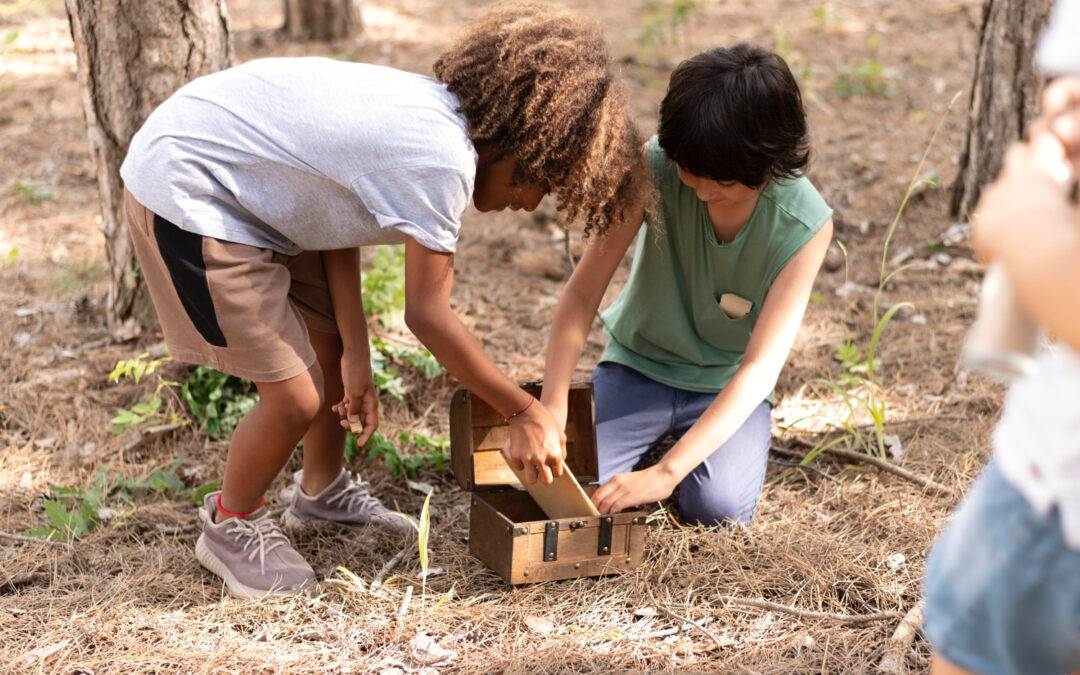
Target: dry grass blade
(388, 567)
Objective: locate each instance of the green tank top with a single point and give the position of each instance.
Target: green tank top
(667, 322)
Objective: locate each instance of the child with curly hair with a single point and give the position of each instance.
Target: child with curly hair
(717, 291)
(251, 191)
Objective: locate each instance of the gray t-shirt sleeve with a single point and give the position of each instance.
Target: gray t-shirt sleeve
(423, 202)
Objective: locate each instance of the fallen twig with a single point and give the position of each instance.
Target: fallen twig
(390, 565)
(25, 579)
(36, 540)
(667, 612)
(883, 464)
(808, 614)
(897, 645)
(149, 434)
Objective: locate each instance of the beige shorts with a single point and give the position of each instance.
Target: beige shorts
(240, 309)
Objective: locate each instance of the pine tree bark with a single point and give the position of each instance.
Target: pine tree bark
(1004, 93)
(322, 19)
(131, 55)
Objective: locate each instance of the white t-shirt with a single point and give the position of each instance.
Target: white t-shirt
(300, 154)
(1037, 440)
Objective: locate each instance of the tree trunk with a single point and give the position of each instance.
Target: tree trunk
(1004, 93)
(131, 55)
(322, 19)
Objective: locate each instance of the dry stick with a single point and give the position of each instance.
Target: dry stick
(880, 463)
(36, 540)
(897, 645)
(685, 620)
(807, 614)
(390, 564)
(25, 579)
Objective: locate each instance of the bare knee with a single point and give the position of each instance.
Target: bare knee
(294, 402)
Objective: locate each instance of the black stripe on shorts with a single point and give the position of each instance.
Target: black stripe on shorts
(182, 253)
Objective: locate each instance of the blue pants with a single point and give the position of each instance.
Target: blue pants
(1001, 586)
(634, 413)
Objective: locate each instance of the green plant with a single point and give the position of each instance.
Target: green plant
(217, 400)
(74, 512)
(416, 450)
(384, 286)
(866, 78)
(33, 194)
(144, 413)
(419, 358)
(858, 386)
(664, 20)
(12, 256)
(827, 16)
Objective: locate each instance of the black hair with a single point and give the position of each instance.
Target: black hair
(735, 114)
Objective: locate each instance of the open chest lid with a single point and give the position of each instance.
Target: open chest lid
(478, 433)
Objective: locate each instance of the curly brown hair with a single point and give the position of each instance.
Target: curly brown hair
(537, 82)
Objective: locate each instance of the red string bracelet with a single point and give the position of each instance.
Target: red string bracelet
(510, 417)
(222, 510)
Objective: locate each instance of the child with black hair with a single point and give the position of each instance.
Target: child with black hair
(722, 273)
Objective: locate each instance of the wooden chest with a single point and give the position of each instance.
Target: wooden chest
(507, 529)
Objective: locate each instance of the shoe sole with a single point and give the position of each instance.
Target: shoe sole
(236, 587)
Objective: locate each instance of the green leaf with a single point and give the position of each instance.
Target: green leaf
(203, 490)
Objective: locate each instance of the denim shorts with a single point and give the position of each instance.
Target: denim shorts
(1002, 588)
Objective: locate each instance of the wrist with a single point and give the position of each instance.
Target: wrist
(667, 473)
(520, 413)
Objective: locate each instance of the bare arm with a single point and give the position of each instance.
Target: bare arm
(360, 404)
(577, 309)
(768, 349)
(537, 443)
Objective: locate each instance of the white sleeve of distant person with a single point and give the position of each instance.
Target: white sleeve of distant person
(1058, 52)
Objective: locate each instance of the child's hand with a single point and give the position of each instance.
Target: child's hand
(359, 408)
(537, 444)
(1028, 194)
(626, 490)
(1061, 115)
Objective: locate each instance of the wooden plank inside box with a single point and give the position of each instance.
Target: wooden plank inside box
(508, 531)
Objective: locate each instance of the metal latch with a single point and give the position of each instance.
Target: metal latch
(551, 541)
(603, 544)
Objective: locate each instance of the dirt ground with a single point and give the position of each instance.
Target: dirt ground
(837, 537)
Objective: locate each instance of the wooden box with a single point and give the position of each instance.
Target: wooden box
(507, 529)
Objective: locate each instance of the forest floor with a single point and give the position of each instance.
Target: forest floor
(838, 536)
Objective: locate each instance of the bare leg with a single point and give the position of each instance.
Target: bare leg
(939, 666)
(324, 442)
(266, 437)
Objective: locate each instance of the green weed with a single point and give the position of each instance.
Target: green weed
(33, 194)
(858, 386)
(217, 401)
(866, 78)
(73, 512)
(144, 413)
(384, 287)
(11, 257)
(416, 450)
(665, 19)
